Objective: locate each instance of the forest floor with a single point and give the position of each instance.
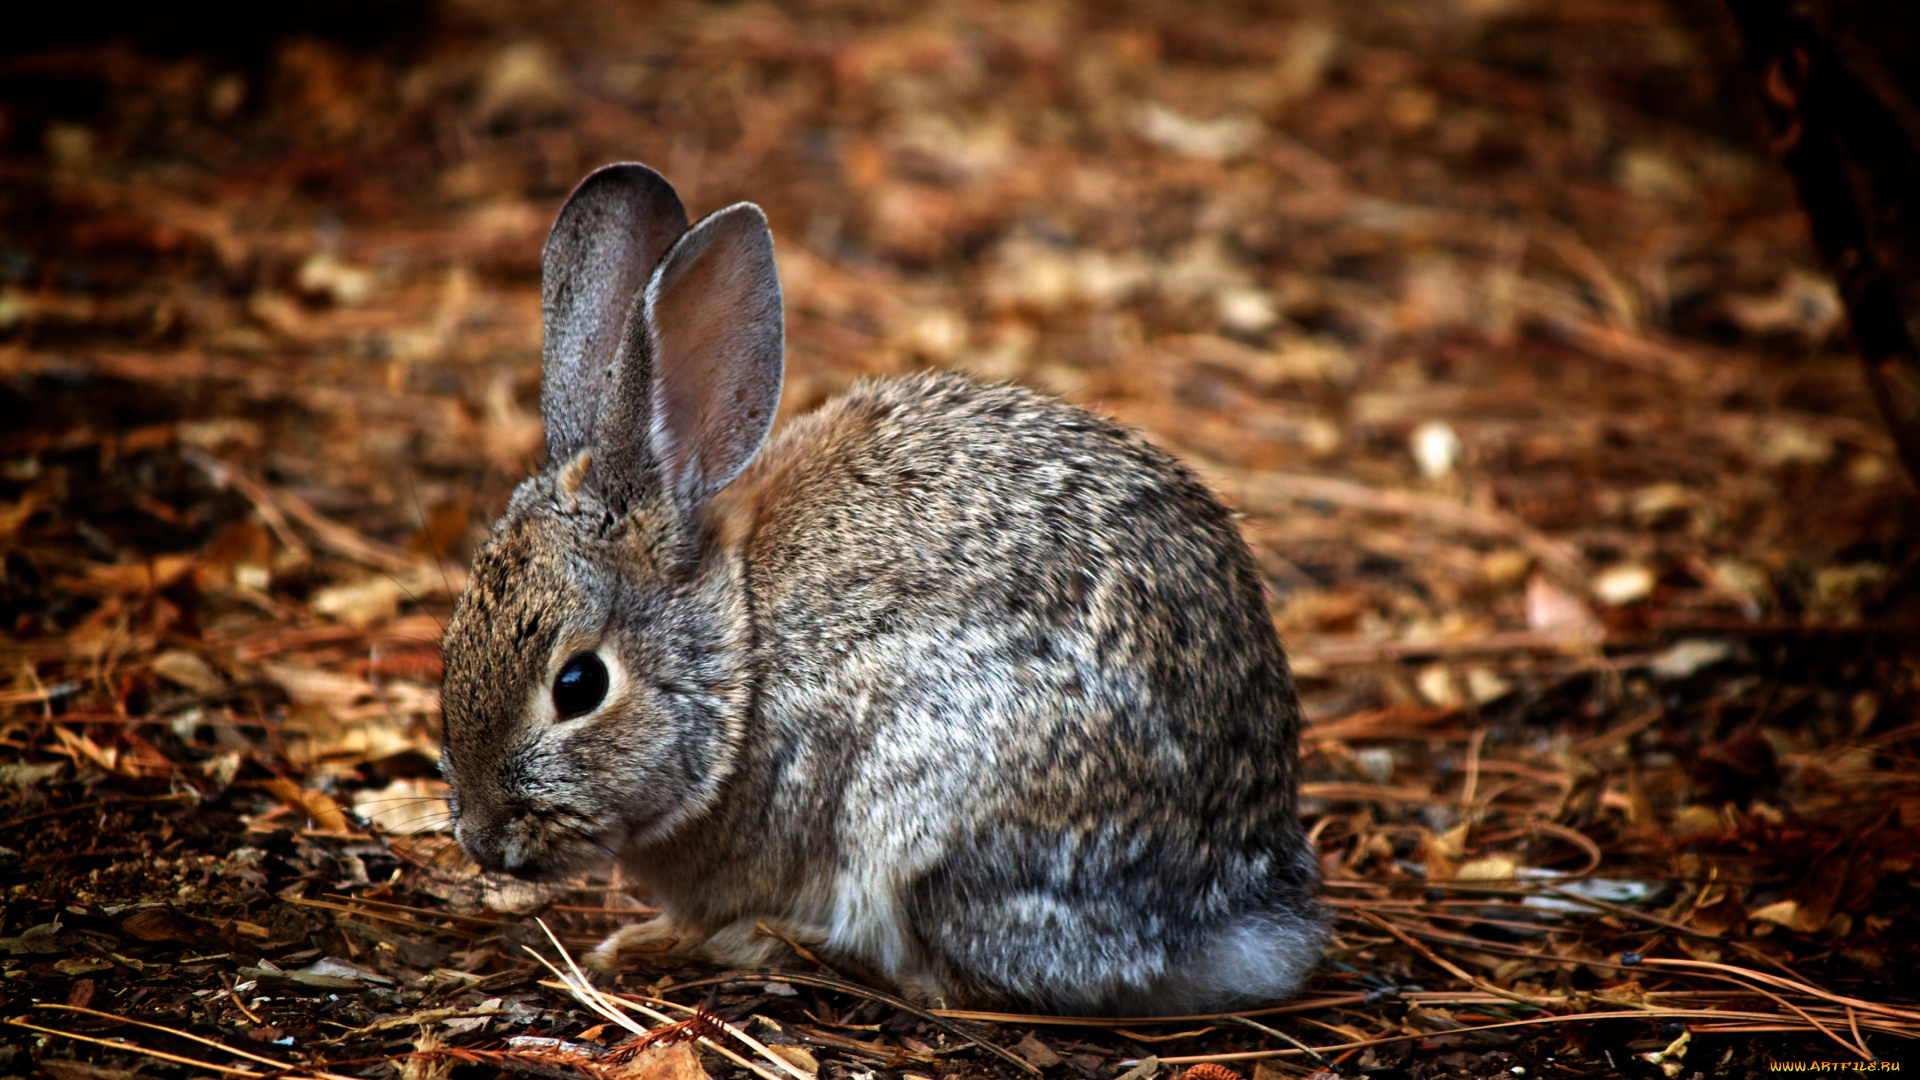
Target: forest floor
(1495, 318)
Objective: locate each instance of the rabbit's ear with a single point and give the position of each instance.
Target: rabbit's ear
(604, 247)
(698, 377)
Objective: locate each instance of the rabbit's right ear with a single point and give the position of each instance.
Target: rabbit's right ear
(610, 235)
(697, 379)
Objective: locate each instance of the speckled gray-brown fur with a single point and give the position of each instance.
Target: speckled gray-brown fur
(969, 689)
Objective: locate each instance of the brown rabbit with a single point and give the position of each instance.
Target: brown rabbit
(966, 687)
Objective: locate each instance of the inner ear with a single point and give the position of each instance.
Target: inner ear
(715, 335)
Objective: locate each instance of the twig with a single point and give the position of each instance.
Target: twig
(1788, 984)
(275, 507)
(1281, 1035)
(584, 992)
(1301, 1005)
(1338, 650)
(226, 475)
(136, 1048)
(799, 950)
(41, 694)
(1451, 968)
(239, 1004)
(400, 920)
(1472, 785)
(417, 1019)
(939, 1019)
(189, 1036)
(1784, 1003)
(749, 1041)
(489, 923)
(1570, 1018)
(1344, 791)
(1582, 260)
(1572, 836)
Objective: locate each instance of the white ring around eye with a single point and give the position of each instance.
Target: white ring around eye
(540, 709)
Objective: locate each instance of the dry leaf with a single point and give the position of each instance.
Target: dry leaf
(159, 924)
(673, 1061)
(1623, 584)
(316, 806)
(1489, 868)
(314, 686)
(797, 1056)
(1552, 608)
(188, 670)
(1037, 1053)
(361, 604)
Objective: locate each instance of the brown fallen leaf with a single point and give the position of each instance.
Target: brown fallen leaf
(1037, 1053)
(674, 1061)
(159, 924)
(130, 578)
(797, 1056)
(319, 807)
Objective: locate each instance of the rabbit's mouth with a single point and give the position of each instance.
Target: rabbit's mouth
(542, 846)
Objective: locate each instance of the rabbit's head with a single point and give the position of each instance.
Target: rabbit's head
(595, 670)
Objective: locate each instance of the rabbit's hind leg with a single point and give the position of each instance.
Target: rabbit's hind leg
(1096, 926)
(1021, 939)
(760, 942)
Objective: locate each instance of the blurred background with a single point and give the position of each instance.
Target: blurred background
(1527, 258)
(1497, 319)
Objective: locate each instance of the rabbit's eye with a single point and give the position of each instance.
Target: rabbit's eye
(580, 686)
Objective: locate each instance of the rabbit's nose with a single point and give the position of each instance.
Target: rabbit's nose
(484, 844)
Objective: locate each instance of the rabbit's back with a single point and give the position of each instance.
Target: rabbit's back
(1050, 533)
(1022, 659)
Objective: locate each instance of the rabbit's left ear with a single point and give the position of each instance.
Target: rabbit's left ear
(603, 249)
(697, 378)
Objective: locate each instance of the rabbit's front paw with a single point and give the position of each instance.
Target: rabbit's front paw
(658, 936)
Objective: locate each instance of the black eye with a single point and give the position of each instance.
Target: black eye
(580, 687)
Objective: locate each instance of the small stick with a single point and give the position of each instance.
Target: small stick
(799, 949)
(225, 475)
(138, 1049)
(1790, 984)
(830, 983)
(588, 997)
(938, 1017)
(1453, 969)
(1278, 1034)
(1474, 743)
(235, 1051)
(1768, 1022)
(594, 999)
(487, 922)
(241, 1005)
(1783, 1002)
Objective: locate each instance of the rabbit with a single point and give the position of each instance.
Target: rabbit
(953, 685)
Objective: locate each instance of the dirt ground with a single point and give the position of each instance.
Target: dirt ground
(1495, 318)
